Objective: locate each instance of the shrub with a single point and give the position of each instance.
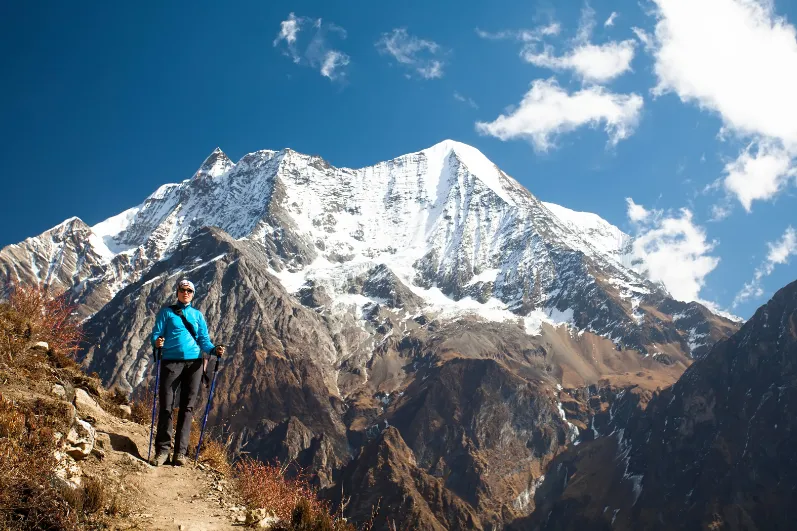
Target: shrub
(33, 314)
(292, 500)
(141, 407)
(215, 454)
(93, 495)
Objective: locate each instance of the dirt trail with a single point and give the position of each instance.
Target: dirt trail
(187, 498)
(178, 498)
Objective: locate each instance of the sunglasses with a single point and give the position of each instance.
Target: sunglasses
(185, 290)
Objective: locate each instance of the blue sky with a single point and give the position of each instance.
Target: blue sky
(664, 106)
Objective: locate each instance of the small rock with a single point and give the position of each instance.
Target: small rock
(241, 518)
(41, 345)
(255, 515)
(67, 471)
(267, 522)
(59, 391)
(124, 408)
(102, 440)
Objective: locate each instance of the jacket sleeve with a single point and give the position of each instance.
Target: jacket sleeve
(202, 335)
(160, 326)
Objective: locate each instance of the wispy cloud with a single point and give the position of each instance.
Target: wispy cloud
(468, 101)
(522, 35)
(738, 59)
(317, 53)
(779, 253)
(610, 21)
(424, 57)
(547, 110)
(670, 248)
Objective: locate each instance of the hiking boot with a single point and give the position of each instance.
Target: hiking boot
(180, 460)
(160, 459)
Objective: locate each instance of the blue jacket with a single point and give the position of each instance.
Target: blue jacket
(179, 344)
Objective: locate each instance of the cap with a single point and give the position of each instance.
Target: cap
(185, 283)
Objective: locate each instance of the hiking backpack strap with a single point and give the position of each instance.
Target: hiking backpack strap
(178, 311)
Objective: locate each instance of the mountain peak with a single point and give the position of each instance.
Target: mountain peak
(215, 165)
(474, 160)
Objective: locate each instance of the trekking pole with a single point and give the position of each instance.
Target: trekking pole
(207, 408)
(158, 353)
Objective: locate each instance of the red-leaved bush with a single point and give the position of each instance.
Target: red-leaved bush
(34, 313)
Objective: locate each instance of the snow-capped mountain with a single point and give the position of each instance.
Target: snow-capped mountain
(430, 293)
(457, 231)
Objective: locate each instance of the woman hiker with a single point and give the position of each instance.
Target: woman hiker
(181, 331)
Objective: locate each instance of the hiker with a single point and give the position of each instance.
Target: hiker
(182, 334)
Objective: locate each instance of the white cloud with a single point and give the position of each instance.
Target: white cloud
(736, 58)
(636, 213)
(547, 110)
(761, 175)
(610, 20)
(467, 101)
(593, 63)
(779, 253)
(423, 56)
(317, 54)
(672, 250)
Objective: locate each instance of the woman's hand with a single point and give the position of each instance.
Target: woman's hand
(219, 351)
(159, 342)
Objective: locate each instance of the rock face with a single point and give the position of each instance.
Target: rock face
(387, 476)
(714, 451)
(408, 325)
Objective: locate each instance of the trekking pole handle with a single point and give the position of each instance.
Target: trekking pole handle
(216, 352)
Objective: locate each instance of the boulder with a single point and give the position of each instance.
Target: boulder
(87, 407)
(80, 440)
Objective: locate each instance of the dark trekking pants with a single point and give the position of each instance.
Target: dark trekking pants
(187, 375)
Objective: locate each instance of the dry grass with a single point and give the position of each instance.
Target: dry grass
(216, 454)
(29, 495)
(294, 501)
(141, 407)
